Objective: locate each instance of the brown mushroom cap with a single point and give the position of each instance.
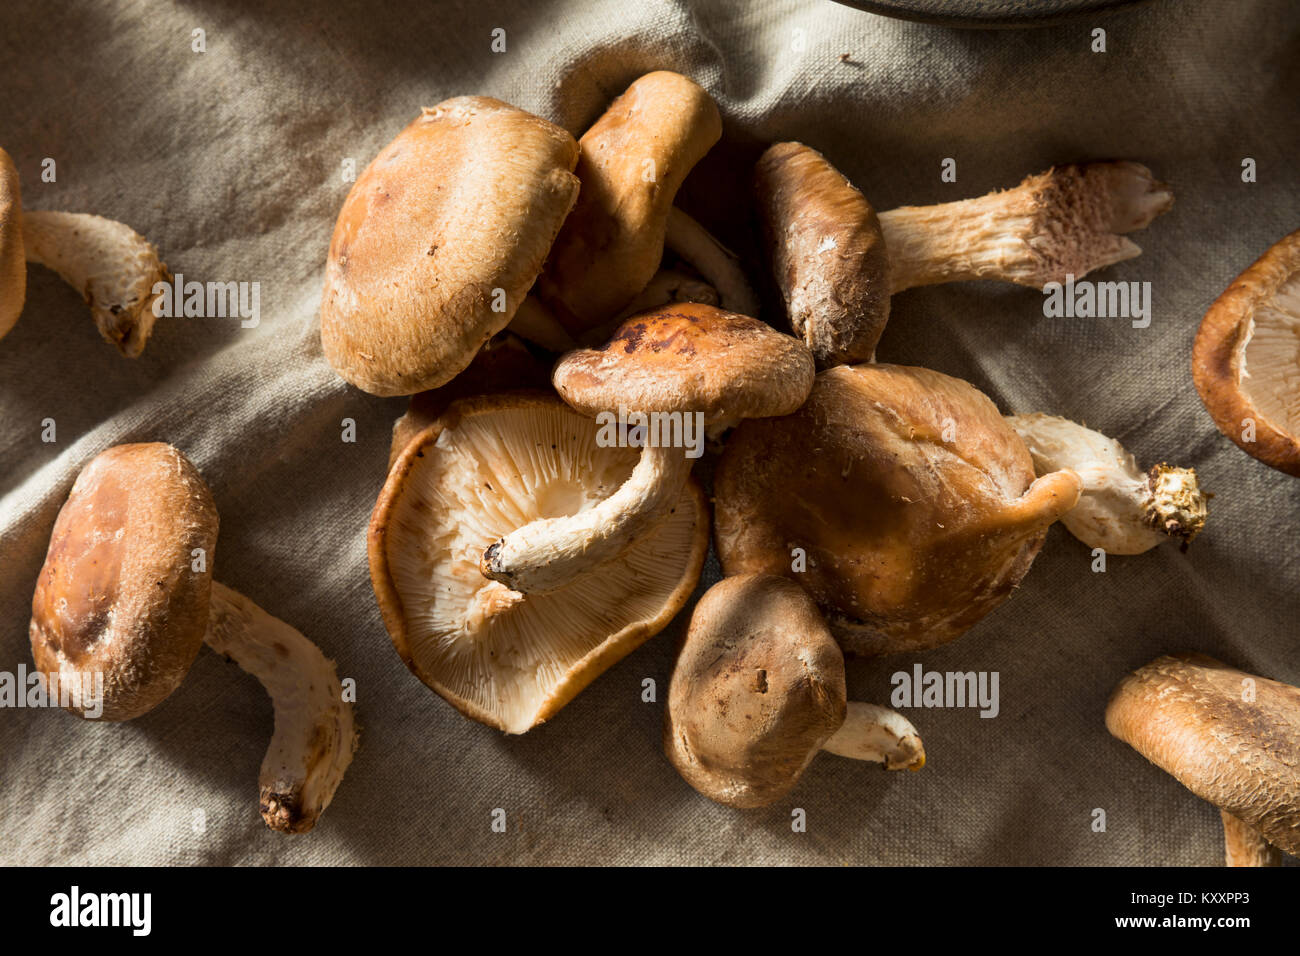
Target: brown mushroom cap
(1246, 354)
(689, 357)
(827, 252)
(758, 687)
(118, 593)
(487, 466)
(633, 161)
(465, 201)
(1189, 715)
(13, 261)
(909, 538)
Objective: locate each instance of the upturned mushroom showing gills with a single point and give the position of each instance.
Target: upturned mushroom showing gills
(682, 366)
(758, 689)
(1123, 509)
(836, 275)
(126, 593)
(111, 265)
(1230, 737)
(632, 163)
(1246, 361)
(898, 497)
(487, 466)
(439, 240)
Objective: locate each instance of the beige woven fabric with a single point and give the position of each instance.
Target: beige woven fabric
(230, 161)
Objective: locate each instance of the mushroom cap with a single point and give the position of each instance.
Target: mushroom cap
(1246, 354)
(689, 357)
(118, 593)
(909, 538)
(13, 261)
(487, 466)
(459, 209)
(1188, 714)
(827, 252)
(758, 687)
(633, 160)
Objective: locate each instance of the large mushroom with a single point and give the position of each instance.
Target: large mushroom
(1230, 737)
(681, 366)
(110, 264)
(632, 162)
(1123, 509)
(439, 241)
(487, 466)
(898, 497)
(126, 592)
(758, 689)
(1246, 360)
(837, 262)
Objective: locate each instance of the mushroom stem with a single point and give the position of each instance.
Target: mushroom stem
(109, 263)
(1069, 220)
(546, 554)
(1122, 510)
(880, 735)
(314, 735)
(1246, 846)
(711, 259)
(535, 322)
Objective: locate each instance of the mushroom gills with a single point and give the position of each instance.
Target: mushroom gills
(314, 736)
(508, 659)
(1270, 358)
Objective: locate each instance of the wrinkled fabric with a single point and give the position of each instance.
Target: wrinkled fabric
(232, 162)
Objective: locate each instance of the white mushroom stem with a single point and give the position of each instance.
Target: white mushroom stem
(1246, 846)
(535, 322)
(109, 263)
(546, 554)
(879, 735)
(1122, 510)
(715, 262)
(1069, 220)
(314, 734)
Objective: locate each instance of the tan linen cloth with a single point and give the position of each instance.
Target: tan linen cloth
(231, 161)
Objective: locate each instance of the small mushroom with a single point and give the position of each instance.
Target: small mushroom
(633, 160)
(1246, 355)
(825, 239)
(110, 264)
(439, 240)
(1230, 737)
(1122, 510)
(487, 466)
(758, 689)
(898, 497)
(126, 592)
(682, 360)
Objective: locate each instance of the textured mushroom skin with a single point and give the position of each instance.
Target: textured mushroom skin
(13, 261)
(113, 267)
(827, 252)
(475, 663)
(735, 367)
(909, 539)
(612, 242)
(757, 688)
(1218, 356)
(466, 200)
(1186, 714)
(131, 607)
